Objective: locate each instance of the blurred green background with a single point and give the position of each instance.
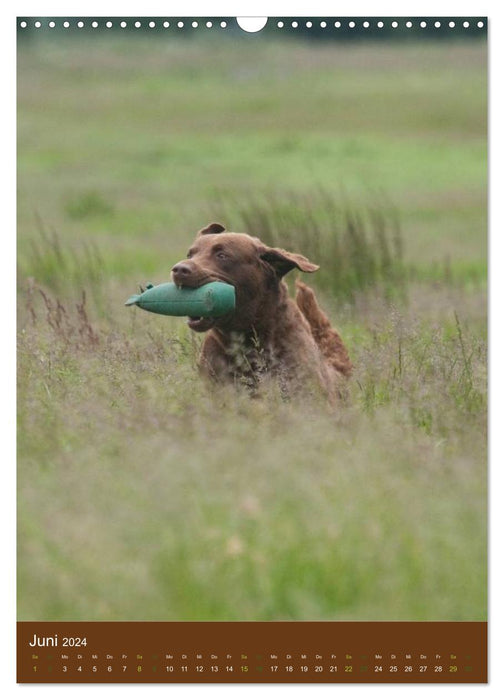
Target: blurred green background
(142, 495)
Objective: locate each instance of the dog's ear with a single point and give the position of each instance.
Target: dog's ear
(283, 262)
(212, 228)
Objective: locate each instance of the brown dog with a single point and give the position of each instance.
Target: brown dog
(267, 334)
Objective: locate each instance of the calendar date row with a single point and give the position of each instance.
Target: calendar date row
(245, 668)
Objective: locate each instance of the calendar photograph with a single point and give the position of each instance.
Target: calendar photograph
(252, 345)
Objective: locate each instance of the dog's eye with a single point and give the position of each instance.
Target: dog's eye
(221, 255)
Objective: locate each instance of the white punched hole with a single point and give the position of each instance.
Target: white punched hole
(252, 24)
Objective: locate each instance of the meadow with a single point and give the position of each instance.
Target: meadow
(143, 494)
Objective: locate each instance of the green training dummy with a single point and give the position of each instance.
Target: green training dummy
(209, 300)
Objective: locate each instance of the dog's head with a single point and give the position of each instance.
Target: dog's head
(254, 269)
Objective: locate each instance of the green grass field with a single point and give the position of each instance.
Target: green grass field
(143, 495)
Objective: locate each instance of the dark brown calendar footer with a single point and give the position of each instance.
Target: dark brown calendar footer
(252, 652)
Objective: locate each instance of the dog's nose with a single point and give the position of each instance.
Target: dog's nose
(181, 270)
(182, 273)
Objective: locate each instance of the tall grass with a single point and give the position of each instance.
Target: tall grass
(359, 247)
(60, 266)
(433, 374)
(207, 505)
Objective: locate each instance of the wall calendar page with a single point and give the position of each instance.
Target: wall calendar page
(252, 350)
